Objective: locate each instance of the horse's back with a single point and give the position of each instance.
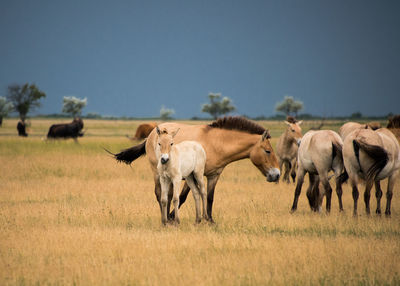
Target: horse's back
(192, 157)
(315, 151)
(348, 128)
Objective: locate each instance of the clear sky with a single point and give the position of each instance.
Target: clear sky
(131, 57)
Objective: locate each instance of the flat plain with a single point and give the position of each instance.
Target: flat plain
(71, 215)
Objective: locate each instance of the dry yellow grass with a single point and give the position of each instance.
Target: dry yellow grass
(69, 214)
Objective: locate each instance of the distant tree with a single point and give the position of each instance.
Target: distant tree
(356, 115)
(289, 106)
(5, 108)
(73, 105)
(218, 106)
(24, 98)
(165, 113)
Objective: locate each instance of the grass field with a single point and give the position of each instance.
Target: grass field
(71, 215)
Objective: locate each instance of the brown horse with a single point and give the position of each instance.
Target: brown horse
(319, 152)
(225, 140)
(286, 149)
(144, 130)
(371, 156)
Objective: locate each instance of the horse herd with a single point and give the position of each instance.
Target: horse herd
(177, 151)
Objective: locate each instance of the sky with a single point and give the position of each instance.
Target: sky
(129, 58)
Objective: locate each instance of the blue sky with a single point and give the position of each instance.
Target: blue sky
(131, 57)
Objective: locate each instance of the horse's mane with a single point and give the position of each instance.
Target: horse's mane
(291, 119)
(237, 123)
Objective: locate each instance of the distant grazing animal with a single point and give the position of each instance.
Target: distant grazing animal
(371, 156)
(394, 126)
(66, 130)
(225, 140)
(21, 127)
(144, 130)
(286, 149)
(185, 160)
(319, 152)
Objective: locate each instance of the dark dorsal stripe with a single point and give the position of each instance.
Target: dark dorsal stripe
(238, 123)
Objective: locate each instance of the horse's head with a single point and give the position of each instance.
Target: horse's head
(293, 131)
(164, 143)
(263, 157)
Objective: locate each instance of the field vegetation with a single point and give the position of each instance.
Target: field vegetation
(71, 215)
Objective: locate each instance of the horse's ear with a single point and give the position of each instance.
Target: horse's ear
(265, 135)
(158, 130)
(301, 121)
(173, 134)
(287, 123)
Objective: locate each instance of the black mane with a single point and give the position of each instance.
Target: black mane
(238, 123)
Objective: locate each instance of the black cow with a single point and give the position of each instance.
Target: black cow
(66, 130)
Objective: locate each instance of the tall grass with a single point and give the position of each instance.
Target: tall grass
(69, 214)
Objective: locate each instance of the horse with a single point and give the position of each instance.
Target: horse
(394, 126)
(348, 127)
(143, 130)
(319, 152)
(225, 140)
(66, 130)
(176, 161)
(371, 156)
(287, 147)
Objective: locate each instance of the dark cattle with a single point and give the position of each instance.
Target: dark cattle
(144, 130)
(21, 127)
(66, 130)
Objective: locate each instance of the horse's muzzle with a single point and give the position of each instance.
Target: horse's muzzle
(164, 160)
(273, 175)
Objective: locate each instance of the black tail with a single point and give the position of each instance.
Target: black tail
(377, 153)
(337, 151)
(131, 154)
(343, 177)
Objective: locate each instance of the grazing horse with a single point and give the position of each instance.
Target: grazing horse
(225, 140)
(286, 149)
(144, 130)
(176, 161)
(371, 156)
(66, 130)
(319, 152)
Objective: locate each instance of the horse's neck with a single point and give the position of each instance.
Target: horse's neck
(288, 142)
(234, 146)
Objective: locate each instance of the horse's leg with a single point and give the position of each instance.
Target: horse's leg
(300, 180)
(293, 171)
(281, 165)
(355, 197)
(164, 198)
(211, 182)
(339, 190)
(389, 193)
(176, 182)
(182, 199)
(367, 196)
(378, 195)
(310, 195)
(328, 192)
(157, 190)
(170, 194)
(190, 181)
(288, 166)
(200, 181)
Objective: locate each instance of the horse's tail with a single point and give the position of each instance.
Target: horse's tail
(377, 153)
(337, 151)
(131, 154)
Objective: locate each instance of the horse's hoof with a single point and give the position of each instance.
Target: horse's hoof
(210, 220)
(378, 212)
(293, 210)
(387, 213)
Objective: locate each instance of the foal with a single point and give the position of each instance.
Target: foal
(319, 152)
(287, 147)
(185, 160)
